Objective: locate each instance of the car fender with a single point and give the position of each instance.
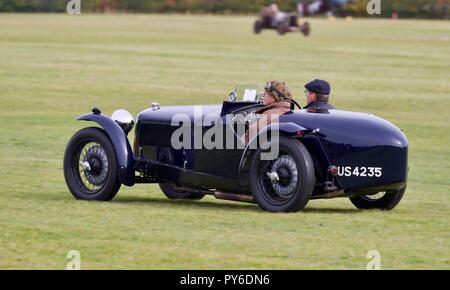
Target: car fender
(119, 140)
(287, 129)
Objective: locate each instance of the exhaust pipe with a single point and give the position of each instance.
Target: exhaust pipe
(329, 195)
(219, 194)
(234, 196)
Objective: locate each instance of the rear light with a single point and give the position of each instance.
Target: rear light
(333, 170)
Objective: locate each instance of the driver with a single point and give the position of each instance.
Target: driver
(268, 13)
(276, 102)
(317, 96)
(272, 16)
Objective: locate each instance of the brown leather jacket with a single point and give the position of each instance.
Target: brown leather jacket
(269, 114)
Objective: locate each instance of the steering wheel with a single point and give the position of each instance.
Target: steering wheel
(295, 103)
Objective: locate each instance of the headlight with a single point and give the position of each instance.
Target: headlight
(124, 119)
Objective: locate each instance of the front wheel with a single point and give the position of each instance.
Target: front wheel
(90, 166)
(383, 200)
(257, 27)
(284, 184)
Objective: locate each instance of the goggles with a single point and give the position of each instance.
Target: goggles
(269, 88)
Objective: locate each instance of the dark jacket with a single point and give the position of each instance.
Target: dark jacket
(319, 106)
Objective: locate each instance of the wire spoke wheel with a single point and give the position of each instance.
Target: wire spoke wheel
(90, 166)
(278, 179)
(385, 200)
(284, 184)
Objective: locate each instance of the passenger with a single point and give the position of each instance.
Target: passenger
(276, 102)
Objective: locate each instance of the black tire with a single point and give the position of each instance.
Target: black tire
(264, 191)
(388, 201)
(282, 28)
(305, 28)
(168, 189)
(257, 26)
(100, 181)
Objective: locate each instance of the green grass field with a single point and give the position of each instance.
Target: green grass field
(56, 67)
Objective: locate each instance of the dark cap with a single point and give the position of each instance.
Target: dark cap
(319, 86)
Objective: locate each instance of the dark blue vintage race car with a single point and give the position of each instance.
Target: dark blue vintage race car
(321, 154)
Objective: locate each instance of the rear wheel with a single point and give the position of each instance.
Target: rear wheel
(284, 184)
(90, 166)
(169, 190)
(385, 200)
(305, 28)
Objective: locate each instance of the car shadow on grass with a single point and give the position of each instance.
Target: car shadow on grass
(331, 210)
(206, 204)
(214, 205)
